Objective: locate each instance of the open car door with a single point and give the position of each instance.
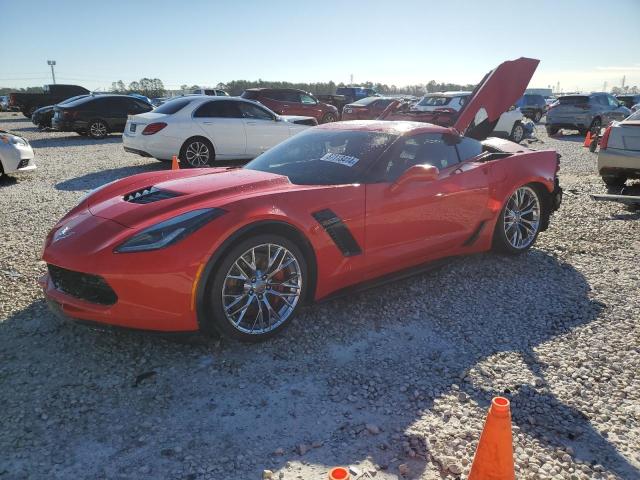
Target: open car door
(496, 93)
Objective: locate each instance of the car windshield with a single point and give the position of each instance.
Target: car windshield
(173, 106)
(324, 157)
(573, 100)
(72, 99)
(366, 101)
(634, 117)
(434, 101)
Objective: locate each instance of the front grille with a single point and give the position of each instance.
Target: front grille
(149, 195)
(85, 286)
(23, 163)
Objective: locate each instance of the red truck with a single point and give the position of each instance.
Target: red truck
(289, 101)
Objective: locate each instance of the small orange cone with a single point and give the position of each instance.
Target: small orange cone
(587, 139)
(339, 473)
(494, 456)
(175, 164)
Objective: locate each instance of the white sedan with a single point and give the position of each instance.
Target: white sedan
(200, 129)
(16, 155)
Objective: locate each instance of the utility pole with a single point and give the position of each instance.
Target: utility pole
(604, 86)
(52, 63)
(351, 79)
(624, 77)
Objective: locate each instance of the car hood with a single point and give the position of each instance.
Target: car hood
(497, 92)
(151, 197)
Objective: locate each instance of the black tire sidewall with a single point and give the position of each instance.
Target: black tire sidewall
(516, 125)
(217, 317)
(537, 117)
(500, 242)
(327, 116)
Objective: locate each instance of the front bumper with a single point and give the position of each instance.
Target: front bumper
(17, 158)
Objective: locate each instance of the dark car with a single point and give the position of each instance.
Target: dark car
(289, 101)
(629, 100)
(28, 103)
(366, 109)
(42, 116)
(532, 106)
(584, 112)
(354, 94)
(97, 116)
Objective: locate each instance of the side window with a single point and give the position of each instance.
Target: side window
(600, 100)
(253, 111)
(612, 101)
(117, 105)
(306, 99)
(218, 109)
(292, 97)
(468, 148)
(275, 96)
(427, 148)
(140, 106)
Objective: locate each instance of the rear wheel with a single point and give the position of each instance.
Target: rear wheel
(551, 130)
(517, 132)
(197, 153)
(328, 118)
(97, 129)
(537, 116)
(519, 222)
(614, 180)
(258, 288)
(596, 125)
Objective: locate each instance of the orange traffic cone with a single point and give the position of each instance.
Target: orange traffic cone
(339, 473)
(494, 455)
(587, 139)
(175, 164)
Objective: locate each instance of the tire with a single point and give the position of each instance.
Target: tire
(510, 238)
(197, 152)
(97, 129)
(537, 116)
(517, 132)
(328, 118)
(596, 125)
(614, 180)
(551, 130)
(235, 282)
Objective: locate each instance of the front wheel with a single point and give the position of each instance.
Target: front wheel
(519, 222)
(258, 288)
(552, 130)
(517, 133)
(614, 180)
(537, 116)
(97, 129)
(328, 118)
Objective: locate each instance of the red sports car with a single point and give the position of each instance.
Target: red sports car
(238, 251)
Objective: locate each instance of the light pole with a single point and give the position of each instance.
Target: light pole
(52, 63)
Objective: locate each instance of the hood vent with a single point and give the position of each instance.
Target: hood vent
(149, 195)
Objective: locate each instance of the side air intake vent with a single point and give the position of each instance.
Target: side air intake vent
(338, 232)
(149, 195)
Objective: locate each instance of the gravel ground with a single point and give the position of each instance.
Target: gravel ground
(394, 381)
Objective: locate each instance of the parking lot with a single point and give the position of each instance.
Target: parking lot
(395, 380)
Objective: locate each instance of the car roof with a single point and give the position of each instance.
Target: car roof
(448, 94)
(265, 89)
(394, 127)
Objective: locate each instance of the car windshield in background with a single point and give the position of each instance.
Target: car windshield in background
(634, 117)
(173, 106)
(366, 101)
(324, 157)
(434, 101)
(573, 100)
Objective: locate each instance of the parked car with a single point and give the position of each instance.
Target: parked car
(200, 129)
(366, 109)
(441, 108)
(619, 156)
(629, 100)
(97, 115)
(353, 94)
(584, 112)
(28, 103)
(238, 251)
(532, 106)
(214, 92)
(42, 116)
(289, 101)
(144, 98)
(16, 155)
(4, 103)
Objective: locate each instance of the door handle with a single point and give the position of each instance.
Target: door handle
(252, 123)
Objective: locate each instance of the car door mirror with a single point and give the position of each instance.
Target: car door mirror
(417, 173)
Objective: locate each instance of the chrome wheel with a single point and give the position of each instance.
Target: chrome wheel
(98, 129)
(261, 289)
(518, 133)
(197, 154)
(522, 218)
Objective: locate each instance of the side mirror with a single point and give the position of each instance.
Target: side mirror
(417, 173)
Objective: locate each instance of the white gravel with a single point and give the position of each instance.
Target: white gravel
(392, 381)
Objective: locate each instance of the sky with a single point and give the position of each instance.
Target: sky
(581, 43)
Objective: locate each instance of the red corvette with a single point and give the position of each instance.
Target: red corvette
(237, 251)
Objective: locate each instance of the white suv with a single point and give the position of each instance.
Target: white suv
(509, 124)
(214, 92)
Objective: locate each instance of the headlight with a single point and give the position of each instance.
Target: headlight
(170, 231)
(13, 140)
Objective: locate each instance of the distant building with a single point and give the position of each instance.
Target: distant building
(545, 92)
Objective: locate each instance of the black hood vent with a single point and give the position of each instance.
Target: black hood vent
(149, 195)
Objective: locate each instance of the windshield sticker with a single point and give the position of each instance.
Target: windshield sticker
(345, 160)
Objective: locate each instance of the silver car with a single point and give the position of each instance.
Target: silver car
(585, 112)
(619, 157)
(16, 155)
